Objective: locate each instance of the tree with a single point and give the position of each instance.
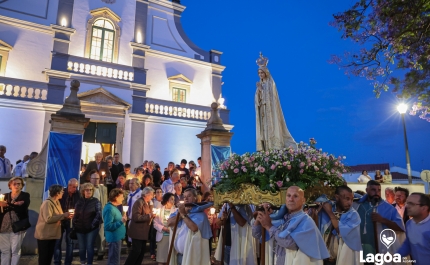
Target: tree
(394, 40)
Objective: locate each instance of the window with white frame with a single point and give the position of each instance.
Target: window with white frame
(102, 40)
(4, 54)
(179, 94)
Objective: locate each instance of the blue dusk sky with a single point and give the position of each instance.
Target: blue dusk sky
(318, 100)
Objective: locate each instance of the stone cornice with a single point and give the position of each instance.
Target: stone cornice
(165, 3)
(140, 87)
(161, 54)
(139, 46)
(28, 105)
(105, 11)
(26, 24)
(62, 29)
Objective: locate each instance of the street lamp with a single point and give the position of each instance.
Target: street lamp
(402, 108)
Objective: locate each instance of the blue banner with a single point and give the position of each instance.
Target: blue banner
(218, 154)
(64, 159)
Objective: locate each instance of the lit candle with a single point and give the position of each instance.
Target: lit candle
(181, 202)
(212, 210)
(156, 211)
(2, 199)
(103, 173)
(125, 209)
(71, 211)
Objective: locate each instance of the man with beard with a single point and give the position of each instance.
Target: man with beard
(400, 203)
(339, 224)
(375, 211)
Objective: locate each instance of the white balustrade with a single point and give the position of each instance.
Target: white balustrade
(177, 111)
(23, 92)
(100, 71)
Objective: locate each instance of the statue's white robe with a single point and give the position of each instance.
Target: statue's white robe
(242, 246)
(345, 255)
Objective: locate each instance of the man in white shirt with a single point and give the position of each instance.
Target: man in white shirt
(17, 172)
(401, 195)
(24, 172)
(169, 185)
(134, 195)
(4, 164)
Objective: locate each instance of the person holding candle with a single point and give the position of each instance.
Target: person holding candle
(48, 227)
(139, 226)
(99, 165)
(15, 207)
(87, 222)
(114, 225)
(163, 231)
(68, 201)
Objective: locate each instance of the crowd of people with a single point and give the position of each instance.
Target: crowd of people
(386, 178)
(112, 206)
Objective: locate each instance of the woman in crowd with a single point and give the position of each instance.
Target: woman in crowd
(155, 173)
(156, 202)
(139, 226)
(168, 170)
(48, 227)
(114, 225)
(160, 224)
(139, 174)
(364, 177)
(87, 222)
(15, 208)
(378, 176)
(387, 178)
(147, 181)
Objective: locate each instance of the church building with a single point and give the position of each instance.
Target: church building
(145, 86)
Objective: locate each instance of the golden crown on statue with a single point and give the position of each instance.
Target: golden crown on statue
(262, 61)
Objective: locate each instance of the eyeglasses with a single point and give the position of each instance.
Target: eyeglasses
(16, 184)
(159, 191)
(88, 190)
(413, 204)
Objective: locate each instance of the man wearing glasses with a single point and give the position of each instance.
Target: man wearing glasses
(68, 201)
(417, 243)
(100, 192)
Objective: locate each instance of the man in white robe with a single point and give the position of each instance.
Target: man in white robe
(239, 243)
(191, 245)
(339, 224)
(298, 241)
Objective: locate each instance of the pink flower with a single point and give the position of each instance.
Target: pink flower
(236, 162)
(316, 168)
(332, 170)
(284, 164)
(289, 167)
(301, 171)
(267, 153)
(277, 163)
(314, 159)
(252, 158)
(256, 165)
(279, 183)
(236, 170)
(243, 162)
(273, 167)
(325, 169)
(222, 167)
(262, 169)
(266, 159)
(302, 164)
(244, 169)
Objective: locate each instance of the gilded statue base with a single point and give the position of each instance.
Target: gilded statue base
(251, 194)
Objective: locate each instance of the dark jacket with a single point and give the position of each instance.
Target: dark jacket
(114, 172)
(20, 210)
(88, 215)
(73, 200)
(156, 178)
(120, 167)
(139, 224)
(92, 165)
(405, 214)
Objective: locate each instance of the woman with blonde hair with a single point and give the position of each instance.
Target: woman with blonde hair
(87, 222)
(15, 208)
(387, 178)
(48, 227)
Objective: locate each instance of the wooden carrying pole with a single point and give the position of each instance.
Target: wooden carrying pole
(263, 246)
(375, 232)
(173, 239)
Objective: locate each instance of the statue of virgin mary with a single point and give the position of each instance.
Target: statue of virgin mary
(272, 132)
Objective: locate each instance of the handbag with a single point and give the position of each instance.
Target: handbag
(20, 225)
(73, 234)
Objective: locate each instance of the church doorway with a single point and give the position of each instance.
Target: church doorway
(98, 137)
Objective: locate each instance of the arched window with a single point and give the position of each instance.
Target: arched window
(103, 34)
(102, 40)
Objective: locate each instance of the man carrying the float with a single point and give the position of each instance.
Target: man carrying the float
(339, 224)
(239, 244)
(374, 210)
(191, 244)
(298, 241)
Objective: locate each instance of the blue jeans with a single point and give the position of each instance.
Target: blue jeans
(179, 257)
(86, 246)
(69, 247)
(114, 253)
(227, 251)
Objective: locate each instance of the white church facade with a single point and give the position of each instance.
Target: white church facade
(145, 86)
